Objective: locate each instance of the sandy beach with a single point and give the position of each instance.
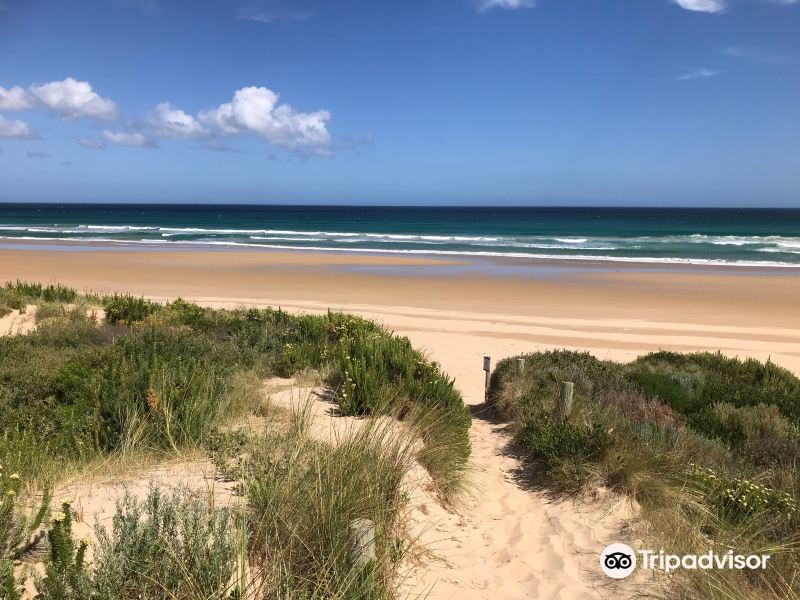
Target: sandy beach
(498, 308)
(507, 539)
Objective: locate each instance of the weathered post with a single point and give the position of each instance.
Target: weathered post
(566, 390)
(362, 534)
(520, 365)
(487, 366)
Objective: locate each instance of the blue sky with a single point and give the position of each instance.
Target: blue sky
(621, 102)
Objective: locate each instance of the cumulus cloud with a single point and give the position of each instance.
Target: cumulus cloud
(255, 110)
(128, 138)
(74, 99)
(15, 98)
(16, 130)
(168, 121)
(696, 74)
(707, 6)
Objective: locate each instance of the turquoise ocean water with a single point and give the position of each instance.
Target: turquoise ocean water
(753, 237)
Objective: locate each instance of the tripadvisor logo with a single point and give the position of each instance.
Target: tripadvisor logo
(619, 561)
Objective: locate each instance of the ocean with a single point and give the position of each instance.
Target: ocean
(751, 237)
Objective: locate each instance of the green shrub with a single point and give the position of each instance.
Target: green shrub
(48, 310)
(9, 587)
(744, 425)
(22, 292)
(168, 546)
(737, 498)
(667, 388)
(126, 309)
(66, 572)
(718, 378)
(18, 523)
(567, 449)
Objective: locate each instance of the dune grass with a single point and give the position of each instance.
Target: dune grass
(706, 445)
(164, 379)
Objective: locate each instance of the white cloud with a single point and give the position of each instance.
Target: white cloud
(696, 74)
(260, 14)
(168, 121)
(15, 98)
(256, 110)
(92, 143)
(505, 4)
(73, 99)
(708, 6)
(126, 138)
(16, 130)
(754, 55)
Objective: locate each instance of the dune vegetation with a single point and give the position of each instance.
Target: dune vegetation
(707, 446)
(154, 379)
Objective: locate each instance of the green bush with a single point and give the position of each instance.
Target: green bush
(666, 388)
(66, 572)
(716, 378)
(20, 293)
(126, 309)
(164, 547)
(567, 449)
(168, 546)
(17, 522)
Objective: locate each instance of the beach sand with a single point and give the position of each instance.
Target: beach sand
(508, 539)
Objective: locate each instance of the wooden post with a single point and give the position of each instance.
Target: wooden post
(520, 365)
(487, 366)
(362, 535)
(566, 390)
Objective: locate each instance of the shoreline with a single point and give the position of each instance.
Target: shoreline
(617, 313)
(565, 262)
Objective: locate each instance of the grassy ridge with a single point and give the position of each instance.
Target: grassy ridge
(707, 445)
(164, 378)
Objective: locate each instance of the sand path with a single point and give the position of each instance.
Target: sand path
(509, 539)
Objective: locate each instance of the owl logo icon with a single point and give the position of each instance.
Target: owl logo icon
(618, 561)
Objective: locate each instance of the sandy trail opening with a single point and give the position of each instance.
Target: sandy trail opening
(510, 538)
(507, 538)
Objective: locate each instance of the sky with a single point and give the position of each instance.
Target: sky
(479, 102)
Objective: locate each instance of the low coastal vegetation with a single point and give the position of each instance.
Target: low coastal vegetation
(707, 446)
(161, 379)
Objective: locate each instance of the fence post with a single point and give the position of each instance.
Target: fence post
(362, 535)
(520, 365)
(487, 366)
(566, 390)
